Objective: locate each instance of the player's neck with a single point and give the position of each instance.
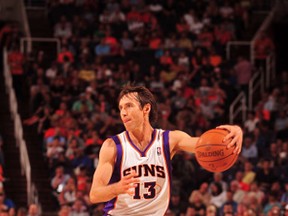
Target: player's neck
(142, 136)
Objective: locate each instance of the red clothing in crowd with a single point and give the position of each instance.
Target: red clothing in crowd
(111, 41)
(223, 36)
(5, 30)
(64, 54)
(263, 47)
(133, 16)
(15, 61)
(206, 39)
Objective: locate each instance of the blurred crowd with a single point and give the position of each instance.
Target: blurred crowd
(176, 49)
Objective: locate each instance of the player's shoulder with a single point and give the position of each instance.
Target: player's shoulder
(176, 133)
(109, 143)
(108, 149)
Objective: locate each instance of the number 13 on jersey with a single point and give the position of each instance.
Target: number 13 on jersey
(149, 187)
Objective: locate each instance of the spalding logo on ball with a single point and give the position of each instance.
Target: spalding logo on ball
(212, 153)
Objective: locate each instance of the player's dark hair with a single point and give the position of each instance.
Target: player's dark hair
(144, 96)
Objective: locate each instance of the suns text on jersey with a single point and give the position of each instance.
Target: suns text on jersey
(146, 170)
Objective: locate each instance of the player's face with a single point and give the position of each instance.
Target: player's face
(131, 113)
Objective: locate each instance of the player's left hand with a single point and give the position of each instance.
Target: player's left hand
(235, 136)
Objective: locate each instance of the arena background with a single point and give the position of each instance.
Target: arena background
(207, 62)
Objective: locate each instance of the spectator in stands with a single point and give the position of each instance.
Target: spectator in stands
(185, 42)
(271, 104)
(22, 211)
(215, 59)
(272, 203)
(257, 192)
(52, 71)
(134, 21)
(251, 122)
(63, 29)
(82, 179)
(102, 49)
(33, 210)
(218, 177)
(264, 46)
(242, 185)
(84, 104)
(226, 11)
(218, 195)
(273, 154)
(286, 210)
(99, 210)
(6, 204)
(177, 205)
(79, 209)
(55, 132)
(243, 70)
(6, 30)
(230, 202)
(190, 211)
(16, 61)
(182, 25)
(199, 59)
(277, 189)
(253, 203)
(265, 175)
(57, 87)
(64, 210)
(59, 180)
(68, 195)
(222, 36)
(206, 38)
(197, 204)
(207, 108)
(238, 193)
(72, 148)
(203, 192)
(242, 209)
(249, 174)
(183, 61)
(249, 151)
(166, 59)
(117, 17)
(281, 124)
(228, 210)
(283, 154)
(264, 136)
(212, 210)
(197, 27)
(284, 196)
(190, 18)
(126, 42)
(65, 56)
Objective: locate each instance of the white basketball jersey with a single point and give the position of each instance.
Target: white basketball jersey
(153, 167)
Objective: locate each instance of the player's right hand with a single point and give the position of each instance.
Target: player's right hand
(128, 183)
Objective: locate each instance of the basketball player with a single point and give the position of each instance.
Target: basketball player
(133, 176)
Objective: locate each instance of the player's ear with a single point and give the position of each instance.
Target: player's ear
(147, 108)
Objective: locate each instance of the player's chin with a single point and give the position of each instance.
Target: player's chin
(127, 127)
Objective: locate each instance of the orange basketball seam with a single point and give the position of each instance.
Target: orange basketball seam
(205, 145)
(217, 159)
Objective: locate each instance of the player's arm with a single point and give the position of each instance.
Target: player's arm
(181, 141)
(100, 190)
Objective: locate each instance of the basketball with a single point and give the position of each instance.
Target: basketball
(212, 153)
